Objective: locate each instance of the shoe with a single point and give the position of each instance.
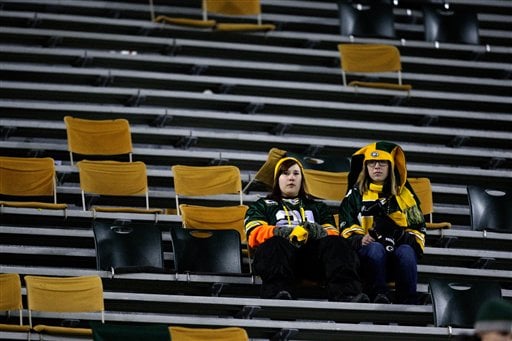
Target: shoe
(359, 298)
(382, 299)
(283, 295)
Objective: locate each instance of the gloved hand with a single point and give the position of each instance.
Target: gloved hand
(283, 231)
(316, 231)
(298, 236)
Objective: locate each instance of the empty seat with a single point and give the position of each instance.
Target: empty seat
(29, 178)
(373, 19)
(223, 8)
(82, 294)
(239, 9)
(211, 334)
(265, 174)
(206, 251)
(423, 190)
(115, 178)
(455, 303)
(449, 26)
(98, 137)
(10, 300)
(215, 218)
(128, 247)
(371, 59)
(490, 209)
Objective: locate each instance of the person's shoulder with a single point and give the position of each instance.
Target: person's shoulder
(267, 201)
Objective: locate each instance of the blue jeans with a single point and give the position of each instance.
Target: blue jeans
(379, 266)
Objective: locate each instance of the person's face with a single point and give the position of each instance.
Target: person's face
(290, 181)
(495, 336)
(378, 170)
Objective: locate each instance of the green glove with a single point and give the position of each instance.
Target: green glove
(299, 236)
(316, 231)
(283, 231)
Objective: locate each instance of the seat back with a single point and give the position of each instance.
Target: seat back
(371, 58)
(326, 185)
(236, 8)
(490, 209)
(366, 20)
(64, 294)
(215, 218)
(114, 178)
(206, 251)
(265, 174)
(10, 294)
(98, 137)
(133, 247)
(211, 334)
(24, 177)
(206, 181)
(450, 26)
(456, 304)
(423, 190)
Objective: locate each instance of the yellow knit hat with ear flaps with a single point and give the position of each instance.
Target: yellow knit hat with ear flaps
(280, 162)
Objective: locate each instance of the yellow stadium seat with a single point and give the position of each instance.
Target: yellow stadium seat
(98, 137)
(82, 294)
(115, 178)
(11, 299)
(371, 58)
(24, 177)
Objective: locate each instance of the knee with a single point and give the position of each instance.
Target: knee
(406, 255)
(373, 251)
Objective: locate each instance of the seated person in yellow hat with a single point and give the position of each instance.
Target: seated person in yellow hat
(295, 237)
(380, 216)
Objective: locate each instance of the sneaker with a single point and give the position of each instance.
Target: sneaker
(359, 298)
(283, 295)
(382, 299)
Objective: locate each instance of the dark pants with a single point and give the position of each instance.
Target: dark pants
(379, 266)
(331, 259)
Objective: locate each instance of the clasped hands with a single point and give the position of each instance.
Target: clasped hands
(300, 234)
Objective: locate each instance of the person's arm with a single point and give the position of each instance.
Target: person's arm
(350, 227)
(324, 217)
(260, 226)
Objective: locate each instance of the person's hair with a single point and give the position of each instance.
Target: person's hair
(276, 190)
(390, 184)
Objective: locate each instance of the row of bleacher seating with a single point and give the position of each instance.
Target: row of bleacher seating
(84, 294)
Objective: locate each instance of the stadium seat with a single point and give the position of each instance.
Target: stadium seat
(215, 218)
(81, 294)
(131, 247)
(455, 304)
(202, 181)
(490, 210)
(450, 27)
(211, 334)
(115, 178)
(423, 190)
(224, 8)
(98, 137)
(239, 9)
(11, 299)
(24, 178)
(265, 174)
(374, 19)
(371, 59)
(206, 251)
